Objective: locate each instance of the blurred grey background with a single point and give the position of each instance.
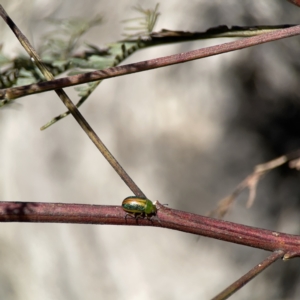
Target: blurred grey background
(187, 134)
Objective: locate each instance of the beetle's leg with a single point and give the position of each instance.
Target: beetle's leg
(128, 214)
(136, 216)
(152, 217)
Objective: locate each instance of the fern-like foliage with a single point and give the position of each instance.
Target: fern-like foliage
(145, 23)
(60, 43)
(111, 56)
(58, 52)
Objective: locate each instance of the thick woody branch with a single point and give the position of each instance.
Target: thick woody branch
(166, 217)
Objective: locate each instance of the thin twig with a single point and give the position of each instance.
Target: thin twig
(17, 92)
(71, 107)
(233, 288)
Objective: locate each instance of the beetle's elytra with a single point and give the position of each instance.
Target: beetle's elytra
(139, 207)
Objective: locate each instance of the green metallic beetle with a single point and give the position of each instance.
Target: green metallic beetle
(139, 207)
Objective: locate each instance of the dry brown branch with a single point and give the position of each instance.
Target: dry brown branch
(252, 180)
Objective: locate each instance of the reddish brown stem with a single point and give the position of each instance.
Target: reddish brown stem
(16, 92)
(166, 217)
